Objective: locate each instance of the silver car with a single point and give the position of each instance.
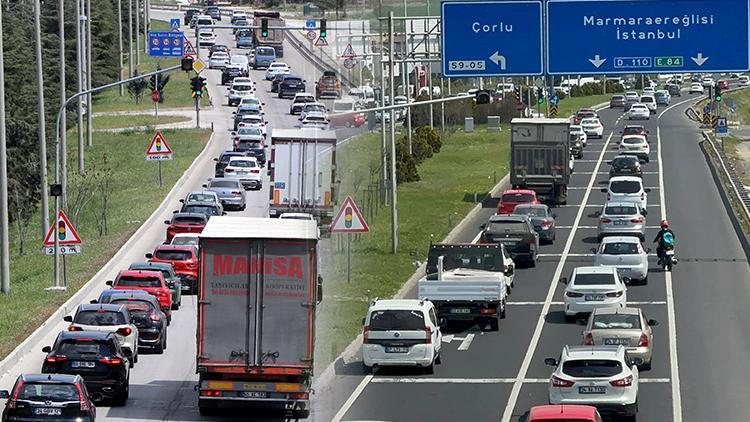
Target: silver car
(230, 191)
(622, 219)
(541, 218)
(625, 253)
(628, 327)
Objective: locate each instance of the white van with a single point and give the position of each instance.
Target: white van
(401, 332)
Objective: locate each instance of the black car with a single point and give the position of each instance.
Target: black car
(275, 82)
(674, 90)
(209, 209)
(625, 165)
(223, 161)
(214, 12)
(97, 357)
(290, 85)
(50, 397)
(229, 73)
(252, 149)
(148, 317)
(189, 13)
(516, 233)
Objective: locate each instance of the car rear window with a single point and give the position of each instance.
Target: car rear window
(589, 122)
(267, 51)
(620, 248)
(135, 306)
(225, 184)
(632, 140)
(99, 317)
(518, 197)
(508, 226)
(621, 210)
(202, 209)
(184, 240)
(242, 87)
(47, 392)
(648, 99)
(200, 197)
(242, 163)
(248, 145)
(618, 98)
(129, 281)
(80, 347)
(620, 163)
(625, 186)
(396, 320)
(253, 131)
(191, 221)
(531, 211)
(244, 32)
(292, 80)
(592, 368)
(616, 321)
(173, 255)
(594, 279)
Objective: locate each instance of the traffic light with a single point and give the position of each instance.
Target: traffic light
(482, 97)
(539, 96)
(517, 93)
(186, 64)
(348, 217)
(61, 230)
(322, 28)
(717, 93)
(264, 28)
(198, 85)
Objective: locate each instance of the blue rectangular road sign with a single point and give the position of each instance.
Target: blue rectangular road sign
(166, 44)
(174, 23)
(491, 38)
(647, 36)
(310, 24)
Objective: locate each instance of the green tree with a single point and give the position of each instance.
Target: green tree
(163, 80)
(137, 88)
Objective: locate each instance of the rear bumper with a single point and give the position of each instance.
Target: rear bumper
(149, 337)
(418, 355)
(107, 388)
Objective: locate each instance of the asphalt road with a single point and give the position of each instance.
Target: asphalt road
(699, 370)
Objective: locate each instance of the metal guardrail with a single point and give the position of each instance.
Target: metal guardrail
(730, 173)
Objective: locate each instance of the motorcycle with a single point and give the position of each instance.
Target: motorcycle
(668, 259)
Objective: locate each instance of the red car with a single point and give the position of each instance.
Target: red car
(513, 197)
(348, 120)
(184, 259)
(151, 282)
(584, 113)
(564, 413)
(723, 84)
(185, 222)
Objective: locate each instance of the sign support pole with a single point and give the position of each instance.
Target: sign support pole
(394, 205)
(349, 258)
(156, 103)
(197, 112)
(160, 180)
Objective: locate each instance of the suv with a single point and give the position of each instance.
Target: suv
(184, 259)
(290, 85)
(401, 332)
(184, 222)
(244, 38)
(590, 288)
(97, 357)
(513, 197)
(151, 282)
(170, 277)
(625, 165)
(228, 73)
(189, 13)
(214, 12)
(601, 376)
(223, 160)
(328, 85)
(628, 189)
(103, 317)
(240, 90)
(516, 233)
(146, 315)
(48, 397)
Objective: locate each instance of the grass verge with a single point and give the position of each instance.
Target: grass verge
(569, 105)
(135, 120)
(135, 194)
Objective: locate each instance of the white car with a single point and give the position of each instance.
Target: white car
(592, 127)
(299, 101)
(627, 189)
(635, 145)
(185, 239)
(316, 120)
(648, 91)
(251, 101)
(650, 102)
(578, 130)
(240, 90)
(632, 96)
(247, 170)
(315, 107)
(639, 111)
(601, 376)
(218, 60)
(401, 332)
(253, 120)
(707, 82)
(696, 88)
(625, 253)
(277, 68)
(743, 80)
(240, 61)
(108, 318)
(206, 38)
(593, 287)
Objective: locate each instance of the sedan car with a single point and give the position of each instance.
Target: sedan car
(723, 84)
(626, 327)
(602, 376)
(632, 96)
(247, 170)
(206, 38)
(230, 191)
(626, 254)
(622, 219)
(696, 88)
(674, 90)
(562, 413)
(277, 68)
(221, 163)
(290, 85)
(253, 120)
(625, 165)
(627, 189)
(315, 120)
(584, 113)
(48, 397)
(299, 101)
(592, 127)
(513, 197)
(201, 196)
(593, 287)
(639, 111)
(635, 145)
(146, 315)
(218, 60)
(185, 223)
(107, 318)
(229, 73)
(743, 80)
(168, 272)
(707, 81)
(246, 134)
(617, 101)
(634, 130)
(541, 218)
(240, 90)
(209, 208)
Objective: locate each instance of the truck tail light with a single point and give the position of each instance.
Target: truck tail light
(588, 340)
(365, 334)
(559, 382)
(615, 294)
(124, 331)
(623, 382)
(643, 342)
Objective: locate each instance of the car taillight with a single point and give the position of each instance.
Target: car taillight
(124, 331)
(11, 404)
(111, 361)
(623, 382)
(256, 171)
(588, 340)
(559, 382)
(428, 333)
(637, 220)
(604, 221)
(615, 294)
(365, 334)
(643, 342)
(155, 317)
(236, 192)
(573, 294)
(488, 311)
(74, 328)
(162, 294)
(56, 358)
(228, 170)
(546, 224)
(192, 265)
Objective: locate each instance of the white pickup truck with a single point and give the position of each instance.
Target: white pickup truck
(468, 282)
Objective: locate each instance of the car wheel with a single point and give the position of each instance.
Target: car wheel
(429, 370)
(159, 348)
(439, 358)
(494, 324)
(175, 306)
(532, 261)
(646, 366)
(169, 320)
(121, 398)
(644, 281)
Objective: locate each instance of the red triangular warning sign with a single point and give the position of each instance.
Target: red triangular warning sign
(348, 52)
(349, 219)
(321, 42)
(65, 232)
(189, 49)
(158, 146)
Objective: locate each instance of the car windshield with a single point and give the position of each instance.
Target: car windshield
(242, 163)
(625, 186)
(596, 279)
(518, 197)
(632, 130)
(303, 99)
(465, 258)
(202, 209)
(246, 145)
(315, 107)
(620, 210)
(592, 368)
(647, 99)
(225, 184)
(250, 131)
(293, 80)
(589, 122)
(531, 211)
(99, 317)
(200, 197)
(135, 306)
(47, 392)
(618, 98)
(396, 320)
(167, 255)
(616, 321)
(508, 226)
(620, 248)
(79, 347)
(129, 281)
(190, 221)
(239, 60)
(639, 107)
(244, 32)
(315, 118)
(621, 163)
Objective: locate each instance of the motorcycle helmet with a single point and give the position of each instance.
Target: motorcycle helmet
(664, 224)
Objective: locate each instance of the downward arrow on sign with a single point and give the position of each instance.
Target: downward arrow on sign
(596, 61)
(700, 59)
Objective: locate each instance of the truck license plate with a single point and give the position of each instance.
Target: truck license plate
(460, 310)
(254, 394)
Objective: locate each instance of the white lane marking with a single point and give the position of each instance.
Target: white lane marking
(508, 413)
(594, 161)
(584, 187)
(466, 343)
(574, 255)
(592, 206)
(653, 302)
(350, 401)
(476, 238)
(595, 227)
(414, 380)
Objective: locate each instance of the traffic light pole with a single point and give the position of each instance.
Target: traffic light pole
(197, 112)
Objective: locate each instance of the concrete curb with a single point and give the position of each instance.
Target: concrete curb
(72, 303)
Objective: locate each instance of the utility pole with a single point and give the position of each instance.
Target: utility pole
(42, 118)
(119, 43)
(79, 71)
(146, 24)
(89, 77)
(4, 227)
(137, 31)
(130, 38)
(394, 205)
(62, 165)
(383, 149)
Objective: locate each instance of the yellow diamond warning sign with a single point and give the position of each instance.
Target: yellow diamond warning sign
(349, 219)
(158, 150)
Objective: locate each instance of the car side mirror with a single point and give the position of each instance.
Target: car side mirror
(4, 394)
(149, 255)
(223, 213)
(68, 318)
(636, 361)
(266, 122)
(262, 103)
(604, 190)
(166, 222)
(554, 215)
(564, 280)
(550, 361)
(300, 119)
(482, 227)
(626, 280)
(593, 250)
(653, 323)
(442, 322)
(204, 186)
(175, 212)
(109, 282)
(509, 271)
(93, 301)
(46, 349)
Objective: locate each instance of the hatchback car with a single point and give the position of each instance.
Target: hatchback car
(185, 239)
(626, 254)
(593, 287)
(625, 165)
(743, 80)
(48, 397)
(218, 60)
(209, 209)
(541, 218)
(184, 260)
(632, 96)
(592, 127)
(247, 170)
(151, 282)
(229, 73)
(584, 113)
(168, 272)
(230, 191)
(315, 120)
(290, 85)
(627, 189)
(254, 149)
(627, 327)
(401, 332)
(622, 219)
(634, 130)
(185, 223)
(635, 145)
(299, 101)
(251, 134)
(674, 90)
(617, 101)
(146, 315)
(107, 318)
(602, 376)
(662, 97)
(200, 197)
(253, 120)
(512, 197)
(240, 90)
(95, 356)
(564, 413)
(277, 68)
(723, 84)
(639, 111)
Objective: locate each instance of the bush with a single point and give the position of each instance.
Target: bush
(406, 165)
(560, 95)
(431, 137)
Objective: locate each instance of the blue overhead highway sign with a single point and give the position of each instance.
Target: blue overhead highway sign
(166, 44)
(491, 38)
(647, 36)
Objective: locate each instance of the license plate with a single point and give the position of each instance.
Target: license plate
(242, 173)
(460, 310)
(82, 364)
(254, 394)
(50, 411)
(619, 222)
(670, 253)
(616, 341)
(593, 298)
(393, 349)
(592, 390)
(624, 270)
